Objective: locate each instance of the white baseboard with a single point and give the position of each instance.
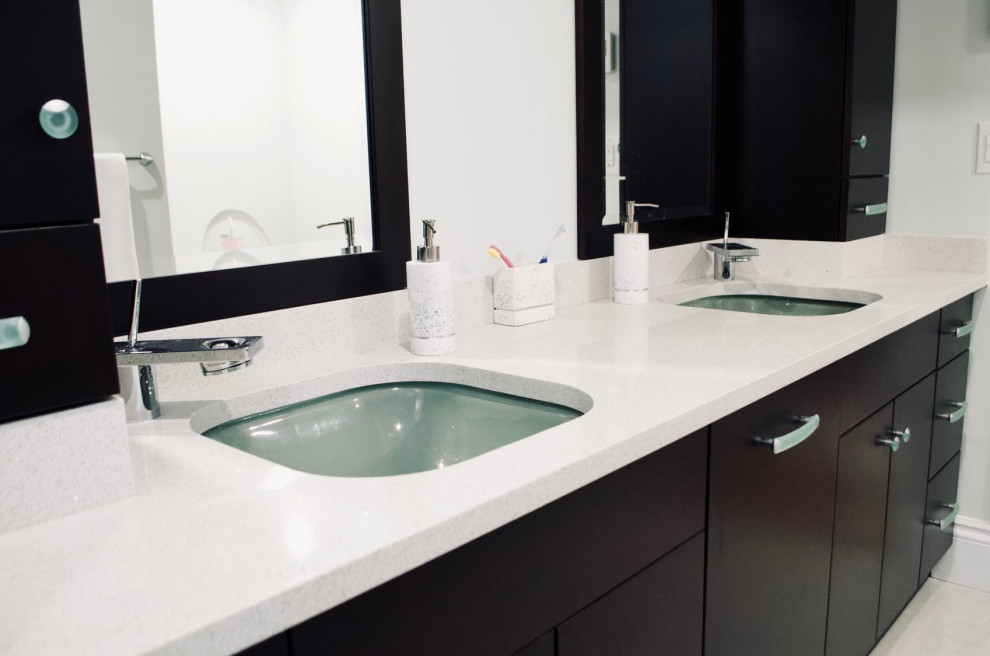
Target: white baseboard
(968, 560)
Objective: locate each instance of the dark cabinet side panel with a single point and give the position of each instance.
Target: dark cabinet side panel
(942, 495)
(879, 372)
(950, 389)
(45, 181)
(545, 645)
(60, 289)
(770, 525)
(906, 502)
(505, 589)
(857, 543)
(658, 611)
(277, 645)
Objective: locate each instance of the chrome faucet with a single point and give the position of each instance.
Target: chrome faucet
(348, 224)
(728, 253)
(215, 356)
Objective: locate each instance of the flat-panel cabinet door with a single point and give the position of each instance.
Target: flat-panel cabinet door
(941, 507)
(906, 501)
(950, 409)
(956, 327)
(53, 301)
(875, 23)
(857, 543)
(770, 522)
(46, 180)
(658, 611)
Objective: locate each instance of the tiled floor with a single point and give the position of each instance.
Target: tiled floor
(943, 620)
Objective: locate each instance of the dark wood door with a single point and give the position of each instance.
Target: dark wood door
(770, 525)
(950, 391)
(657, 611)
(45, 181)
(941, 503)
(906, 502)
(857, 543)
(872, 99)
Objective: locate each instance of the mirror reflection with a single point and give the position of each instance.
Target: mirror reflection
(658, 91)
(250, 119)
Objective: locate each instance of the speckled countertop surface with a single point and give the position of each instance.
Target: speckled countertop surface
(219, 549)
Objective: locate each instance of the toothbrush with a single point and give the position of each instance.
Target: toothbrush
(496, 253)
(561, 230)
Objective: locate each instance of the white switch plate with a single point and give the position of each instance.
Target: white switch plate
(983, 148)
(611, 154)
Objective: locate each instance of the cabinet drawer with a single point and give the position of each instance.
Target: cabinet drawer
(866, 207)
(876, 374)
(955, 329)
(939, 507)
(770, 524)
(59, 289)
(46, 181)
(874, 27)
(658, 611)
(500, 592)
(950, 392)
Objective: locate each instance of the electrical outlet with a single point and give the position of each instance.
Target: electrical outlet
(983, 148)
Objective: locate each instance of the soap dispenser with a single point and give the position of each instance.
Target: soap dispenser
(431, 298)
(631, 276)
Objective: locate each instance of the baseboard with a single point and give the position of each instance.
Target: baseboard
(968, 560)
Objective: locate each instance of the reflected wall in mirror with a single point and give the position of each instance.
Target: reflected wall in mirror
(646, 119)
(254, 112)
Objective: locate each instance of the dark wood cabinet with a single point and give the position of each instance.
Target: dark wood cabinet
(56, 284)
(802, 81)
(906, 502)
(770, 524)
(950, 397)
(955, 327)
(940, 508)
(857, 540)
(545, 645)
(46, 181)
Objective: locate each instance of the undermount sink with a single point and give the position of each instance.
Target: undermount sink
(779, 305)
(773, 299)
(390, 428)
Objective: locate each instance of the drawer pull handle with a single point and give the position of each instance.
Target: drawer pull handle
(946, 522)
(861, 142)
(14, 332)
(894, 443)
(780, 444)
(904, 435)
(961, 329)
(953, 417)
(870, 210)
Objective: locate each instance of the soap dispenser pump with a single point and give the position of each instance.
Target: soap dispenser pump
(631, 275)
(431, 298)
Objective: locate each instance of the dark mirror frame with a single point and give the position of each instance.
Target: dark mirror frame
(595, 239)
(178, 300)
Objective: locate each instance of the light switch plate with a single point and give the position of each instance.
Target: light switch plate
(983, 148)
(612, 154)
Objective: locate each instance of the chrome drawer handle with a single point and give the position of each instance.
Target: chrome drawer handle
(953, 417)
(961, 329)
(780, 444)
(14, 332)
(894, 444)
(861, 142)
(904, 435)
(947, 521)
(870, 210)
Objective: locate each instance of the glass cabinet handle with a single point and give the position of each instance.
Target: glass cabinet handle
(870, 210)
(861, 142)
(953, 417)
(904, 436)
(14, 332)
(946, 522)
(58, 119)
(960, 329)
(780, 444)
(894, 443)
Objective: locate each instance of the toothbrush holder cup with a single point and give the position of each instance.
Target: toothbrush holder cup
(524, 294)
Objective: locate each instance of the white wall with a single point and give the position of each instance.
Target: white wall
(941, 92)
(490, 125)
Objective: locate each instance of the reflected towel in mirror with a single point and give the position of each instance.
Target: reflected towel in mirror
(116, 225)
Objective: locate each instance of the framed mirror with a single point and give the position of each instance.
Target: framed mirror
(647, 120)
(262, 119)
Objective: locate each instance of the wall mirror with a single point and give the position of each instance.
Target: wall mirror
(263, 120)
(646, 119)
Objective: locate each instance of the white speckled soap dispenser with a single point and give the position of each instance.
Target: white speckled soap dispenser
(431, 299)
(631, 275)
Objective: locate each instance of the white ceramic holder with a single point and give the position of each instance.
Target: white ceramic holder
(524, 294)
(631, 273)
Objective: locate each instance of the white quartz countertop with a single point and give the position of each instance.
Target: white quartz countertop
(219, 549)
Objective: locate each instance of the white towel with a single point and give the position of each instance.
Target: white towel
(116, 225)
